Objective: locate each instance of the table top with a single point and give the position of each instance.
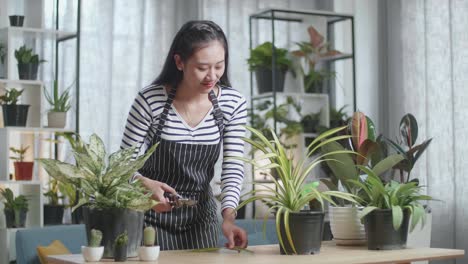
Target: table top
(269, 254)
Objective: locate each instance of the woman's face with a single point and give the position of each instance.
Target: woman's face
(204, 68)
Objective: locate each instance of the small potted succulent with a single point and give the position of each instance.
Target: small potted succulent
(28, 63)
(57, 115)
(16, 208)
(149, 251)
(23, 169)
(94, 251)
(14, 114)
(120, 247)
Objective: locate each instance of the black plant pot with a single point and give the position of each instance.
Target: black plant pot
(15, 221)
(77, 216)
(306, 232)
(53, 214)
(28, 71)
(113, 222)
(16, 21)
(15, 115)
(120, 253)
(310, 125)
(380, 232)
(264, 80)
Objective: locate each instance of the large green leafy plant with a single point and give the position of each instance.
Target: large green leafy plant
(291, 192)
(11, 96)
(103, 180)
(393, 195)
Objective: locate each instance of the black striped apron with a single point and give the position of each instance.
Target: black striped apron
(188, 168)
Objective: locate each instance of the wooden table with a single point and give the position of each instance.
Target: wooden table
(269, 254)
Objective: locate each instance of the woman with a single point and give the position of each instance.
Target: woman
(191, 111)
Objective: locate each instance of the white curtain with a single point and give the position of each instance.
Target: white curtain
(427, 76)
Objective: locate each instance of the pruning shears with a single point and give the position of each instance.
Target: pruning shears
(178, 201)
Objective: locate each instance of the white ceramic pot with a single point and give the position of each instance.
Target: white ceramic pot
(346, 226)
(92, 254)
(57, 119)
(148, 253)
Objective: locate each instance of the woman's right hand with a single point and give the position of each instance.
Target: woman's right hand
(158, 189)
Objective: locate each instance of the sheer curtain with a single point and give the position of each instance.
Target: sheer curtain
(427, 76)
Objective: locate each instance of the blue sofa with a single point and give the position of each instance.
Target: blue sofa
(254, 229)
(27, 240)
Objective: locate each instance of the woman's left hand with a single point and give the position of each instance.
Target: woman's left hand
(236, 236)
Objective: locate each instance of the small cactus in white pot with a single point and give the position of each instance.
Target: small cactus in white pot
(94, 251)
(149, 251)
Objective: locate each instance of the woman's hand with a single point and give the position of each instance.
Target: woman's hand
(236, 236)
(158, 189)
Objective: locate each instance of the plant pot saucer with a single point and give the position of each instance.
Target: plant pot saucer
(350, 242)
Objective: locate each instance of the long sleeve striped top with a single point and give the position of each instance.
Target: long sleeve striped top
(143, 119)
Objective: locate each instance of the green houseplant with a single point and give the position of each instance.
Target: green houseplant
(23, 169)
(28, 63)
(111, 202)
(14, 114)
(94, 251)
(16, 208)
(261, 62)
(120, 247)
(53, 210)
(345, 225)
(388, 208)
(299, 232)
(57, 115)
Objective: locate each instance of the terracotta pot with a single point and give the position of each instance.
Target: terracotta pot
(23, 170)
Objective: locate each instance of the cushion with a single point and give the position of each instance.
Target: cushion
(55, 248)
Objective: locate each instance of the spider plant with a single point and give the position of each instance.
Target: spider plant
(291, 193)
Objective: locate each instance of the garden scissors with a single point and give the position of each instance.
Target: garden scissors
(177, 201)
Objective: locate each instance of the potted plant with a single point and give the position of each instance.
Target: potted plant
(94, 251)
(149, 251)
(407, 147)
(261, 62)
(264, 117)
(53, 211)
(310, 122)
(28, 63)
(120, 247)
(345, 223)
(388, 208)
(23, 169)
(338, 117)
(16, 208)
(112, 203)
(13, 114)
(16, 20)
(299, 231)
(57, 116)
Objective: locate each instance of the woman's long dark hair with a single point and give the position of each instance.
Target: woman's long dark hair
(192, 36)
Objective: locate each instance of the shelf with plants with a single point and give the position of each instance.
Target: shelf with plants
(31, 46)
(293, 54)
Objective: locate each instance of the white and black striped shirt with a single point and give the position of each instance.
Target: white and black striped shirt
(144, 116)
